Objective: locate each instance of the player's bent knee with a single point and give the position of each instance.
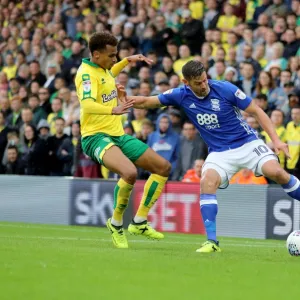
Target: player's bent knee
(164, 169)
(129, 175)
(209, 182)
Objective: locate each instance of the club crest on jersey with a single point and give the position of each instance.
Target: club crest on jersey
(109, 97)
(241, 95)
(215, 104)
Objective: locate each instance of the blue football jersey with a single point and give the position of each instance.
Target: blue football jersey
(216, 116)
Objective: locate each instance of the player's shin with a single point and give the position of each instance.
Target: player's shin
(152, 191)
(121, 197)
(292, 188)
(209, 210)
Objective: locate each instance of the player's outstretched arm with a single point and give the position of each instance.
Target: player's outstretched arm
(90, 107)
(118, 67)
(269, 128)
(145, 102)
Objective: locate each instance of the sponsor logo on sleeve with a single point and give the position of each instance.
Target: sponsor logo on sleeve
(241, 95)
(168, 92)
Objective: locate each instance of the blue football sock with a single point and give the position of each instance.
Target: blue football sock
(292, 188)
(209, 210)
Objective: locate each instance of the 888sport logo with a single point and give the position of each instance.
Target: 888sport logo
(210, 121)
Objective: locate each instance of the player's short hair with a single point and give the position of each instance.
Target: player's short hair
(99, 40)
(192, 69)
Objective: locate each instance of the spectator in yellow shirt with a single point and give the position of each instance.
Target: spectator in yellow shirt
(185, 56)
(227, 21)
(246, 176)
(11, 68)
(57, 113)
(140, 117)
(277, 118)
(292, 137)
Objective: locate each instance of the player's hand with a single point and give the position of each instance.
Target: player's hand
(280, 146)
(139, 57)
(123, 108)
(121, 93)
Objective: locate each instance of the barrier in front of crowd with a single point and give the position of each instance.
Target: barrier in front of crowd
(244, 211)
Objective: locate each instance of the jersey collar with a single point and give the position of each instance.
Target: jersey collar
(199, 96)
(88, 61)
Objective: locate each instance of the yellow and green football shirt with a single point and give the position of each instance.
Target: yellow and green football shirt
(97, 84)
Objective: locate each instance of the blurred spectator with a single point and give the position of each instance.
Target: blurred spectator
(128, 128)
(147, 129)
(194, 175)
(277, 118)
(246, 176)
(185, 56)
(14, 120)
(261, 9)
(13, 165)
(292, 137)
(192, 32)
(35, 157)
(261, 100)
(55, 142)
(162, 36)
(27, 119)
(44, 97)
(36, 74)
(211, 14)
(56, 106)
(165, 141)
(175, 117)
(139, 118)
(43, 129)
(278, 8)
(192, 147)
(227, 21)
(10, 68)
(3, 135)
(5, 106)
(38, 111)
(167, 66)
(248, 82)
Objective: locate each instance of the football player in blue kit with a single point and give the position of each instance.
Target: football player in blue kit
(214, 108)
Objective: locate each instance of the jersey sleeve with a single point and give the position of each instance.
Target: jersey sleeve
(171, 97)
(87, 87)
(236, 96)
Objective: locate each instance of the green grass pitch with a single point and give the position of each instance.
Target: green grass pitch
(62, 262)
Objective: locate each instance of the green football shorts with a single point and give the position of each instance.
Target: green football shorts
(95, 146)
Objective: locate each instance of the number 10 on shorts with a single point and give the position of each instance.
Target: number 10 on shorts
(260, 150)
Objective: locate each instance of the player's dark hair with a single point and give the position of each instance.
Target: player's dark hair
(192, 69)
(99, 40)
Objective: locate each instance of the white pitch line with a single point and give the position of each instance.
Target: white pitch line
(136, 241)
(93, 229)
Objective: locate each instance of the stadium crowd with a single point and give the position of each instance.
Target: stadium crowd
(254, 44)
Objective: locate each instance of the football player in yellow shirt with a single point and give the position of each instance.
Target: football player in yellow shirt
(103, 137)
